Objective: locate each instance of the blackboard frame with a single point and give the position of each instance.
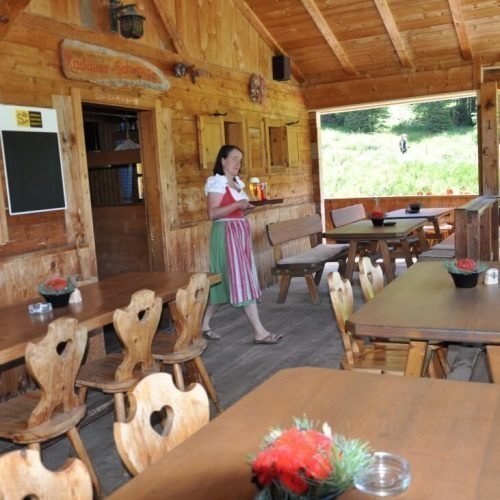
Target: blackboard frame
(32, 160)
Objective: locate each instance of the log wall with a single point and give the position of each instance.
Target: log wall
(36, 245)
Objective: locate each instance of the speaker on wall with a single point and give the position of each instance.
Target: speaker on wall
(281, 68)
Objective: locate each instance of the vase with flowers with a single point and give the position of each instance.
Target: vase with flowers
(57, 290)
(303, 463)
(465, 272)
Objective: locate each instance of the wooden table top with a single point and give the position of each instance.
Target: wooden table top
(429, 213)
(448, 430)
(100, 299)
(365, 230)
(423, 303)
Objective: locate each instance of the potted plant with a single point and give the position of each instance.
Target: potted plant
(57, 290)
(377, 217)
(465, 272)
(304, 463)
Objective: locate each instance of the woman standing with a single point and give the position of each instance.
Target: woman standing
(231, 246)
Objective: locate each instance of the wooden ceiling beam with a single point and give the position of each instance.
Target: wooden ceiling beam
(393, 32)
(9, 10)
(168, 27)
(331, 39)
(257, 25)
(460, 29)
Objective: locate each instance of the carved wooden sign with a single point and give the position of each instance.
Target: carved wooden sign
(91, 63)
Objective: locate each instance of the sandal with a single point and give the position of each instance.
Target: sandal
(211, 335)
(272, 338)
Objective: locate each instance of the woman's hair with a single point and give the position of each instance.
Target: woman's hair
(223, 154)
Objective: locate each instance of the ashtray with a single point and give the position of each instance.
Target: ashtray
(388, 475)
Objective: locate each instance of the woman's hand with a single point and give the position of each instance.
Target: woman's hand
(215, 211)
(244, 204)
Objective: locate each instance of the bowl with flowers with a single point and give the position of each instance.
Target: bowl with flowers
(465, 272)
(377, 217)
(303, 462)
(57, 290)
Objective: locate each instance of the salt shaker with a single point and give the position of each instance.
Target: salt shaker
(491, 276)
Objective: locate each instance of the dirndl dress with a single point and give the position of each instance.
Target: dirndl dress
(231, 250)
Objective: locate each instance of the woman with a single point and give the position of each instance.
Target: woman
(231, 246)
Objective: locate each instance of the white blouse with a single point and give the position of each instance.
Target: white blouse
(218, 183)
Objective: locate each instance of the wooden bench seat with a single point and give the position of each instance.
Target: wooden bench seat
(444, 250)
(304, 262)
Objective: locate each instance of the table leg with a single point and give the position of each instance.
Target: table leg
(351, 259)
(417, 351)
(405, 246)
(389, 273)
(493, 356)
(421, 238)
(437, 230)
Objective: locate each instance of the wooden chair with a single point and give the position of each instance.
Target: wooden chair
(116, 373)
(38, 416)
(187, 344)
(384, 357)
(371, 278)
(138, 443)
(22, 475)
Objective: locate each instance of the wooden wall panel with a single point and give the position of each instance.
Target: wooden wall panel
(20, 276)
(386, 88)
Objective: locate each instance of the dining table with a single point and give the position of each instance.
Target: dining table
(364, 230)
(449, 431)
(99, 301)
(423, 305)
(432, 214)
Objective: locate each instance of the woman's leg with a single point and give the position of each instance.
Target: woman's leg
(252, 314)
(209, 312)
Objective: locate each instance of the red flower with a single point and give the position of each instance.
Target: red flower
(293, 458)
(377, 214)
(56, 283)
(466, 264)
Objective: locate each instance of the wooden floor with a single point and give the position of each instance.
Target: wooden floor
(237, 365)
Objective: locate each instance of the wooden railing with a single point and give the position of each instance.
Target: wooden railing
(388, 203)
(476, 229)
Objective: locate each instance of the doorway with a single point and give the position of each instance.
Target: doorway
(116, 180)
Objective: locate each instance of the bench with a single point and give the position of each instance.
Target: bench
(445, 250)
(305, 263)
(346, 215)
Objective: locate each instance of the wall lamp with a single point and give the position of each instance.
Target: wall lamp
(288, 124)
(218, 113)
(126, 20)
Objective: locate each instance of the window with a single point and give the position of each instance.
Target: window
(283, 146)
(215, 131)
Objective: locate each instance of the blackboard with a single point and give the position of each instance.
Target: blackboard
(33, 171)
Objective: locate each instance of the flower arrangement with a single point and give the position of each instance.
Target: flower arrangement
(56, 286)
(302, 463)
(464, 266)
(377, 214)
